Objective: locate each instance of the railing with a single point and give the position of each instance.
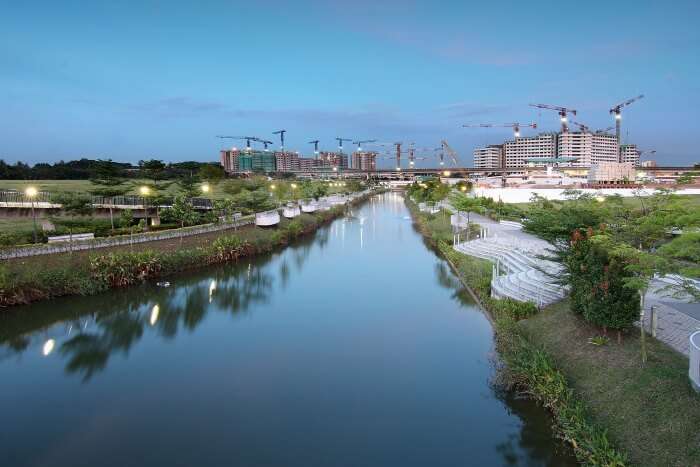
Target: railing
(21, 197)
(134, 201)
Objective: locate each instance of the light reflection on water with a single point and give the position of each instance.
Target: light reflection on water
(357, 346)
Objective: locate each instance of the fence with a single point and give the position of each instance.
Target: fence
(106, 201)
(121, 240)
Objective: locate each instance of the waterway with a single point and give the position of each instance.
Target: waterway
(355, 347)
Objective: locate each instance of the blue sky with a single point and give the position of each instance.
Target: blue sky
(130, 80)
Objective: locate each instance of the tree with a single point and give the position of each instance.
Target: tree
(108, 182)
(77, 204)
(183, 211)
(225, 207)
(314, 190)
(153, 169)
(189, 185)
(601, 282)
(212, 173)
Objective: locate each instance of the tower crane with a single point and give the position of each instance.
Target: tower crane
(340, 143)
(605, 130)
(451, 152)
(617, 111)
(264, 142)
(247, 139)
(281, 133)
(582, 127)
(360, 143)
(315, 143)
(398, 154)
(515, 126)
(563, 111)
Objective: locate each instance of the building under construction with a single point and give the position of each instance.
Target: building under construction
(251, 160)
(575, 149)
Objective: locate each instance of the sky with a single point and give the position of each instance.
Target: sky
(133, 80)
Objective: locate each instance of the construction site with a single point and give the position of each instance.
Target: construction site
(580, 157)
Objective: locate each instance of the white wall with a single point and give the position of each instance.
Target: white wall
(522, 195)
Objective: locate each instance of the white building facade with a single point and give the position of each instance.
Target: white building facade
(488, 157)
(630, 153)
(518, 151)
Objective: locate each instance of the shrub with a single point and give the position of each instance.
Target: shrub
(227, 248)
(513, 309)
(295, 228)
(120, 269)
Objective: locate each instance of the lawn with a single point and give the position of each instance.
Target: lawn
(76, 186)
(650, 411)
(16, 224)
(85, 186)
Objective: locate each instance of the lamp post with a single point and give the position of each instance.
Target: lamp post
(145, 191)
(31, 193)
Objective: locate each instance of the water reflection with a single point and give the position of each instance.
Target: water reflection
(87, 339)
(379, 352)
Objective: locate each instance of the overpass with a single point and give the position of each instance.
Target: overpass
(461, 172)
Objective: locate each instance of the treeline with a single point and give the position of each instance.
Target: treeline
(86, 169)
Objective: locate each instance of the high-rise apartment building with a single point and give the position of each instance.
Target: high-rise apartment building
(229, 160)
(587, 148)
(489, 157)
(257, 161)
(286, 161)
(364, 160)
(518, 151)
(630, 153)
(333, 159)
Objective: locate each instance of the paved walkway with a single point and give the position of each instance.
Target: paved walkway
(676, 319)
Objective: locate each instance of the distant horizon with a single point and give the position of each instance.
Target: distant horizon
(139, 80)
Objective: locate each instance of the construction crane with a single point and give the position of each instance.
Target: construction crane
(340, 143)
(515, 126)
(581, 126)
(264, 142)
(360, 143)
(563, 111)
(605, 130)
(617, 111)
(450, 152)
(398, 154)
(247, 139)
(315, 143)
(281, 133)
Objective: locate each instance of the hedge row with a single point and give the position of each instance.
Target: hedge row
(107, 270)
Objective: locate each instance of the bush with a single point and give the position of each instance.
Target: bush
(120, 269)
(513, 309)
(227, 248)
(295, 228)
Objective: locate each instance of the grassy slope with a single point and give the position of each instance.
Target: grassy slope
(650, 411)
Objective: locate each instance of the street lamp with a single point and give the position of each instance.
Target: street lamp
(206, 188)
(145, 191)
(31, 193)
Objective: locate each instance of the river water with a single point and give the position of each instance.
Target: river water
(356, 347)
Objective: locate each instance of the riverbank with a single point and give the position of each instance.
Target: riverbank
(87, 273)
(527, 366)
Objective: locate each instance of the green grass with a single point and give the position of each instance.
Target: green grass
(83, 186)
(17, 224)
(649, 410)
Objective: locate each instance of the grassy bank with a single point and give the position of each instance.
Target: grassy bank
(650, 410)
(28, 280)
(528, 366)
